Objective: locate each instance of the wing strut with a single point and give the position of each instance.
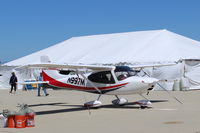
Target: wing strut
(89, 81)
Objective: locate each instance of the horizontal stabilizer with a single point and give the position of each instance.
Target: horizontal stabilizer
(37, 82)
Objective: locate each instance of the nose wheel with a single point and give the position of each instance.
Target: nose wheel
(143, 103)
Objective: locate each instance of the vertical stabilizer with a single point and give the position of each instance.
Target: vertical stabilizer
(45, 59)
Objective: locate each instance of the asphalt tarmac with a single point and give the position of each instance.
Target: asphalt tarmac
(62, 111)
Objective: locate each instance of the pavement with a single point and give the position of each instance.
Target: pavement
(62, 111)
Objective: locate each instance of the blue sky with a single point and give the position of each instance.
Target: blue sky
(27, 26)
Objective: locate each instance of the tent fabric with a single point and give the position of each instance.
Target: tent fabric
(6, 74)
(22, 75)
(192, 73)
(131, 47)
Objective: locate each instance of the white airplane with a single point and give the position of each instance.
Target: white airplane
(103, 80)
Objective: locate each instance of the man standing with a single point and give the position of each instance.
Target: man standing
(13, 82)
(40, 86)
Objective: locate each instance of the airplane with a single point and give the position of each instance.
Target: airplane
(99, 79)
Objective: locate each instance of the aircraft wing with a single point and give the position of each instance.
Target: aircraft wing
(152, 65)
(71, 66)
(91, 67)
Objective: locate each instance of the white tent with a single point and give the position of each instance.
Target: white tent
(132, 47)
(156, 46)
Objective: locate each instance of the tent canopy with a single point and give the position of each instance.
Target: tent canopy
(131, 47)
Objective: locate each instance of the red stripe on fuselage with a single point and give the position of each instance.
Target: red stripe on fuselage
(64, 85)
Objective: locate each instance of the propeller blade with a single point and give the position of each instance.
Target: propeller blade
(169, 93)
(164, 89)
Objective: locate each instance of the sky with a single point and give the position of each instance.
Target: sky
(27, 26)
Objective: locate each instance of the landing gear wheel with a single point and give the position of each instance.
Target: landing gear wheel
(143, 107)
(120, 101)
(94, 104)
(144, 104)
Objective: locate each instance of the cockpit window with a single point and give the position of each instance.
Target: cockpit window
(102, 77)
(122, 72)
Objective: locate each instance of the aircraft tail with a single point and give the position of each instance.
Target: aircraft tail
(50, 75)
(54, 79)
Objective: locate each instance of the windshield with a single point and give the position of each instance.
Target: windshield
(104, 77)
(122, 72)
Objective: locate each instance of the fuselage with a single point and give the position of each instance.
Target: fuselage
(114, 82)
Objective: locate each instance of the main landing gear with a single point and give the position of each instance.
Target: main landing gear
(119, 101)
(94, 104)
(97, 103)
(122, 101)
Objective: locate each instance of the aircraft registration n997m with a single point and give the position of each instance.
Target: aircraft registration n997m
(103, 80)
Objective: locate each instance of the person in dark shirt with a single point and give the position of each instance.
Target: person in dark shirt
(13, 82)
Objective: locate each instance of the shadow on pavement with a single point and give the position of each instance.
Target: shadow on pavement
(130, 105)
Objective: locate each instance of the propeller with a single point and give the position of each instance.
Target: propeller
(164, 88)
(169, 93)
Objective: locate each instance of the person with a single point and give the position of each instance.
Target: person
(13, 82)
(40, 86)
(122, 77)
